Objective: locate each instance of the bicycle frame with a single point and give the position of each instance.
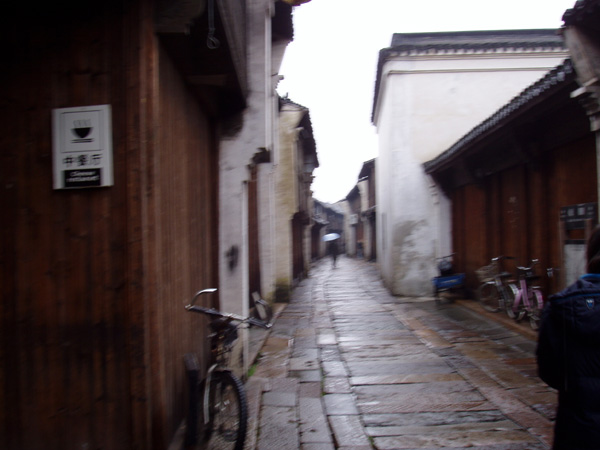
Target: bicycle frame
(530, 296)
(218, 337)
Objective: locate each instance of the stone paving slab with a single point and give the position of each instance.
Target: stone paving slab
(306, 376)
(362, 368)
(429, 406)
(313, 422)
(304, 363)
(340, 404)
(403, 378)
(336, 385)
(319, 446)
(349, 431)
(498, 425)
(278, 429)
(401, 336)
(334, 369)
(454, 439)
(430, 418)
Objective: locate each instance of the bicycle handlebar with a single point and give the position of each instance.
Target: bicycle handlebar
(229, 316)
(501, 257)
(533, 263)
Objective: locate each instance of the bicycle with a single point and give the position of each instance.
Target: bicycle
(220, 397)
(496, 291)
(529, 300)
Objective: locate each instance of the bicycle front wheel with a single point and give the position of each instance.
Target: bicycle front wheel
(489, 296)
(510, 293)
(517, 312)
(535, 312)
(228, 413)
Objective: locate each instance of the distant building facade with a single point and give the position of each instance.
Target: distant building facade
(327, 218)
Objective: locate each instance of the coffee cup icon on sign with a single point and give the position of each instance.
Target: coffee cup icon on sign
(82, 129)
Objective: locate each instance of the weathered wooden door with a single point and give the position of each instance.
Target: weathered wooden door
(297, 253)
(253, 233)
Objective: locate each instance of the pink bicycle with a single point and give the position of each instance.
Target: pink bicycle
(529, 300)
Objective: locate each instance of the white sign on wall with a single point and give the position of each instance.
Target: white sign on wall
(82, 147)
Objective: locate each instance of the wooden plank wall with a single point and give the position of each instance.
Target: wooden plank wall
(253, 234)
(94, 281)
(184, 249)
(516, 212)
(64, 264)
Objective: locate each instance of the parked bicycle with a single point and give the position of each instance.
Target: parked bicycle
(218, 404)
(497, 291)
(448, 281)
(529, 300)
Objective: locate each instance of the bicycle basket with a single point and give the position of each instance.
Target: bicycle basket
(487, 273)
(445, 267)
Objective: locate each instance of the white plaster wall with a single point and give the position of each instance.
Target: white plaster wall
(266, 227)
(426, 104)
(285, 194)
(236, 153)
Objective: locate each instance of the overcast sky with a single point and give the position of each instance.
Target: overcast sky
(330, 66)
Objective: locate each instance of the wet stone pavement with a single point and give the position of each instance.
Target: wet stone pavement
(348, 366)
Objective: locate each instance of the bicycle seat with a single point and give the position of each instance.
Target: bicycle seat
(505, 274)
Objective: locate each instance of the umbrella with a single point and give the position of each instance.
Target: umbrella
(331, 237)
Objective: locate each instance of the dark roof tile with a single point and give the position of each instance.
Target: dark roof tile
(545, 38)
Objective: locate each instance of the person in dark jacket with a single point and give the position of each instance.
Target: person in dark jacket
(333, 250)
(568, 356)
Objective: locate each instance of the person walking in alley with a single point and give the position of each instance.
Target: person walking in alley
(333, 250)
(568, 355)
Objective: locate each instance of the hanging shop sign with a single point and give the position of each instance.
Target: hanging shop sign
(82, 147)
(575, 216)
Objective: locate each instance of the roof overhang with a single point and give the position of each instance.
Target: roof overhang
(542, 117)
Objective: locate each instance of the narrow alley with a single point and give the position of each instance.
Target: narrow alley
(348, 366)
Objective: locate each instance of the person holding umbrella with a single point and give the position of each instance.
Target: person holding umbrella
(332, 238)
